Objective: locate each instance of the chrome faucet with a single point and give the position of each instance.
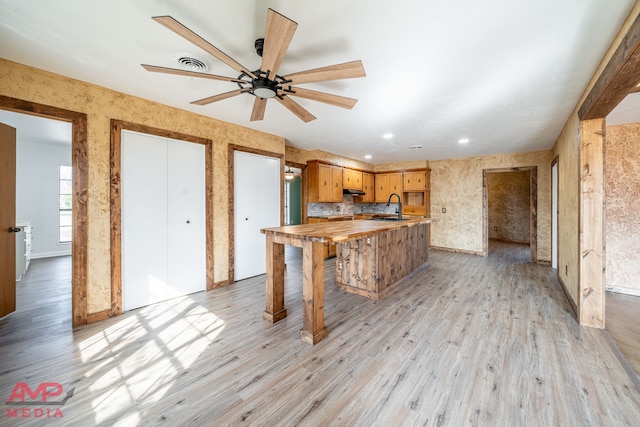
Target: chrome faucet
(399, 204)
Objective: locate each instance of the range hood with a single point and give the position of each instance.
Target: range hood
(353, 192)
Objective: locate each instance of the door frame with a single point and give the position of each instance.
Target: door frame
(230, 160)
(533, 208)
(80, 164)
(117, 126)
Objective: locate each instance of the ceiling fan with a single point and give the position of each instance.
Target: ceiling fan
(265, 82)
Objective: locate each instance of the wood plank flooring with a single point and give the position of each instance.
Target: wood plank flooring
(623, 323)
(468, 341)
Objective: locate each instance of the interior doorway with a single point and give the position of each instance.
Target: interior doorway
(43, 212)
(510, 207)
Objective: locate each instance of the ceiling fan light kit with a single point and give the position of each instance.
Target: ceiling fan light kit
(265, 83)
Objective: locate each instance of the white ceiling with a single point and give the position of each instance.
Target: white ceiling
(37, 129)
(505, 74)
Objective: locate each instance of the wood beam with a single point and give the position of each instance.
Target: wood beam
(592, 292)
(618, 79)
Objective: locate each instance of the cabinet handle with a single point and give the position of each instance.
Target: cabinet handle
(15, 229)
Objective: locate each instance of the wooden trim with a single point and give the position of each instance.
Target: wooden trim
(295, 164)
(80, 164)
(460, 251)
(572, 303)
(220, 284)
(231, 205)
(533, 208)
(592, 244)
(117, 126)
(619, 77)
(100, 315)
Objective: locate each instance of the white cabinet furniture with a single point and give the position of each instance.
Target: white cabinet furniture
(23, 248)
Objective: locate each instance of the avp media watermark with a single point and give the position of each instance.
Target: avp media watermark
(27, 403)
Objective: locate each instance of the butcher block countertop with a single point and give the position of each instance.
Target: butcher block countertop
(341, 230)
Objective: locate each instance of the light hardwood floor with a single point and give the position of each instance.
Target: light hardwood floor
(468, 341)
(623, 324)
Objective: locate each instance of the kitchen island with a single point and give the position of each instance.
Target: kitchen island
(375, 256)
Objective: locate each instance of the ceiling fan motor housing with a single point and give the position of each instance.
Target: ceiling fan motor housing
(264, 88)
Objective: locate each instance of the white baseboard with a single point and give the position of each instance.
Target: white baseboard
(50, 254)
(626, 291)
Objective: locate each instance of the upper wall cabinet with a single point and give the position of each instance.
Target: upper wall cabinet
(351, 179)
(369, 188)
(325, 182)
(414, 181)
(386, 184)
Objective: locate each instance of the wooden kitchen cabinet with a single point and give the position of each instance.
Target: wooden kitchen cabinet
(351, 179)
(369, 188)
(414, 181)
(386, 184)
(324, 182)
(416, 195)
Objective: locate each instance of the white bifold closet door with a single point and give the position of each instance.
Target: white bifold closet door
(256, 183)
(163, 219)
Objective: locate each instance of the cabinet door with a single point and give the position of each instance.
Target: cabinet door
(352, 179)
(369, 188)
(414, 181)
(324, 183)
(336, 182)
(395, 183)
(382, 187)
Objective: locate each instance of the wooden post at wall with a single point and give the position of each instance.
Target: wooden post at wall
(592, 250)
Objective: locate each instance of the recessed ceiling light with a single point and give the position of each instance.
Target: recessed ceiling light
(367, 156)
(415, 147)
(463, 140)
(387, 135)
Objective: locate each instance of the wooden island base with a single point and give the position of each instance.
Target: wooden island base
(372, 266)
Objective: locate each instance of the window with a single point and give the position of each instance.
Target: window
(64, 234)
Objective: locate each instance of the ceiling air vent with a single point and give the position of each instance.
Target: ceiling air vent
(191, 63)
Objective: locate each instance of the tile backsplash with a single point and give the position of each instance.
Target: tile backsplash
(348, 207)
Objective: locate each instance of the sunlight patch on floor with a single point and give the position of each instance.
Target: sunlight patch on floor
(138, 358)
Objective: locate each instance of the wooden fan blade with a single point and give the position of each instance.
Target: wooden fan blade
(189, 35)
(220, 97)
(296, 108)
(259, 106)
(278, 35)
(327, 98)
(176, 71)
(348, 70)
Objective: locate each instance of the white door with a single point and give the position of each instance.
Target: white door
(163, 219)
(257, 202)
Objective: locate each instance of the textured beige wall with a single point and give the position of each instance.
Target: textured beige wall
(567, 149)
(101, 105)
(456, 185)
(622, 186)
(413, 164)
(508, 195)
(298, 155)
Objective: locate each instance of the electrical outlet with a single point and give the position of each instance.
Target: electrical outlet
(340, 266)
(368, 240)
(444, 210)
